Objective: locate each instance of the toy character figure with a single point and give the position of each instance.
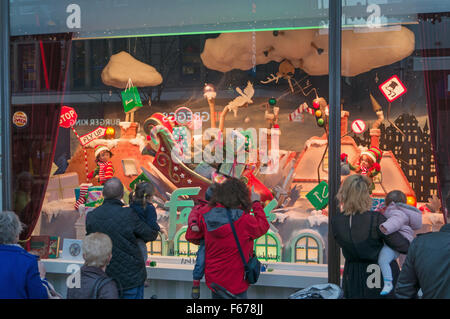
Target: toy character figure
(368, 164)
(104, 169)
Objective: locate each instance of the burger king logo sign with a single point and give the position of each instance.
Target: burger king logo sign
(20, 119)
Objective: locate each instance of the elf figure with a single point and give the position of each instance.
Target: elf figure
(104, 169)
(368, 164)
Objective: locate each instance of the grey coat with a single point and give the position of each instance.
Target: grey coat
(89, 277)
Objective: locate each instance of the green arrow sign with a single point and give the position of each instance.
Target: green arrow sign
(318, 196)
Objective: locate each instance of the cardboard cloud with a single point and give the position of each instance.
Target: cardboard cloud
(122, 66)
(362, 49)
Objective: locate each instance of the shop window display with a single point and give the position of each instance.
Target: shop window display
(149, 101)
(183, 248)
(268, 247)
(158, 246)
(307, 248)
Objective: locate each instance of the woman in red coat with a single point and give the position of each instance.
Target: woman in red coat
(223, 265)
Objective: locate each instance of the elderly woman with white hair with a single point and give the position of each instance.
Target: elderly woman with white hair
(94, 282)
(20, 275)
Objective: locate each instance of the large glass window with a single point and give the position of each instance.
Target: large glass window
(153, 85)
(183, 248)
(307, 248)
(393, 83)
(158, 247)
(268, 247)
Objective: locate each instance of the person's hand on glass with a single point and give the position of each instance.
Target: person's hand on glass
(255, 196)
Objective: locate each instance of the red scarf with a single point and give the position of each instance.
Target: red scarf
(106, 171)
(364, 170)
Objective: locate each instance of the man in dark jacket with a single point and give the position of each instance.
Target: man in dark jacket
(124, 227)
(427, 267)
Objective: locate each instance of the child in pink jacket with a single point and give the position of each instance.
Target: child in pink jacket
(402, 218)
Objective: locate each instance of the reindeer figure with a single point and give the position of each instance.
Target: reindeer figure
(285, 71)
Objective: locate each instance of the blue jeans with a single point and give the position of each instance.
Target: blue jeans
(385, 257)
(134, 293)
(199, 268)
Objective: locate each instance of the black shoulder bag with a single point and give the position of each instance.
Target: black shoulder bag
(253, 267)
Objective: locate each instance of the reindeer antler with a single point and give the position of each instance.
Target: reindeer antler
(271, 79)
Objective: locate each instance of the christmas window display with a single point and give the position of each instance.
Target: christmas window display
(267, 124)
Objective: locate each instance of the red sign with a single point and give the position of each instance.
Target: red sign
(393, 88)
(95, 134)
(20, 119)
(68, 117)
(358, 126)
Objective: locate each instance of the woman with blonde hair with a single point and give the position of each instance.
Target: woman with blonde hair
(356, 230)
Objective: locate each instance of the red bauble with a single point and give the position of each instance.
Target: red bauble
(316, 104)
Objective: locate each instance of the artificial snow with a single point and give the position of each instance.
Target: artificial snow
(108, 143)
(317, 217)
(54, 208)
(363, 49)
(140, 141)
(279, 218)
(125, 125)
(122, 67)
(315, 142)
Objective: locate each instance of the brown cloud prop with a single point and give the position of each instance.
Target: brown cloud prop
(363, 49)
(122, 66)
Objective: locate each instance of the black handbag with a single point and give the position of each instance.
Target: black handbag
(252, 268)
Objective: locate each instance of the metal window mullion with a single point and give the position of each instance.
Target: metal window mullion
(6, 143)
(334, 138)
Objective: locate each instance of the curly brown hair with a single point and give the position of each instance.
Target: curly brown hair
(233, 193)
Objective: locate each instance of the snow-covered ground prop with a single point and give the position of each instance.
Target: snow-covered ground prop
(363, 49)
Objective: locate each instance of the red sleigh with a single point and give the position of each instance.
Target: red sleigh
(178, 174)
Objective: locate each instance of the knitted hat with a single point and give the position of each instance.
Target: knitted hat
(374, 153)
(100, 148)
